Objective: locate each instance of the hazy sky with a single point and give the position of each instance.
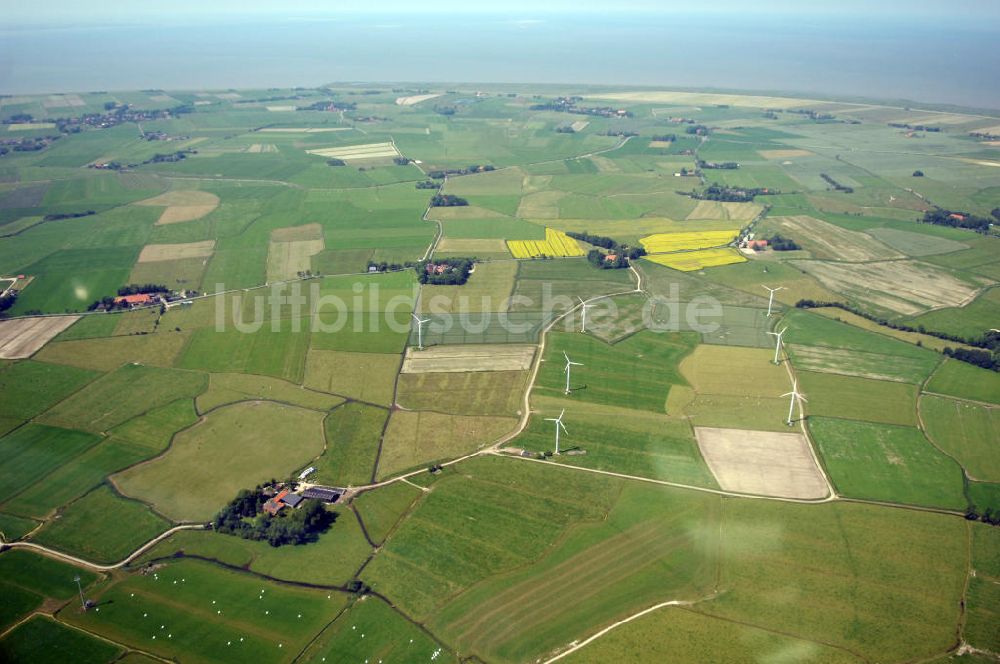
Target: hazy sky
(130, 10)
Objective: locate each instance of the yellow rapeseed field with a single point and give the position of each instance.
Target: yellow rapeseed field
(556, 243)
(689, 261)
(665, 242)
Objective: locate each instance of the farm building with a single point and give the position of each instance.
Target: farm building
(276, 504)
(325, 493)
(136, 299)
(292, 500)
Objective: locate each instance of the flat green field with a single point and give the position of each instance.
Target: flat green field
(34, 451)
(123, 394)
(966, 431)
(891, 463)
(211, 614)
(232, 448)
(382, 508)
(353, 436)
(637, 372)
(91, 527)
(231, 388)
(29, 388)
(957, 379)
(42, 639)
(368, 377)
(849, 397)
(463, 393)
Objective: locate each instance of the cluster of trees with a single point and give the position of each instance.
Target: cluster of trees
(475, 168)
(942, 217)
(988, 342)
(243, 517)
(448, 200)
(698, 130)
(664, 138)
(180, 155)
(455, 271)
(622, 252)
(328, 106)
(918, 174)
(8, 301)
(780, 243)
(813, 115)
(980, 358)
(988, 516)
(333, 161)
(383, 266)
(67, 215)
(836, 185)
(428, 184)
(620, 133)
(918, 127)
(402, 161)
(718, 165)
(565, 129)
(135, 289)
(727, 194)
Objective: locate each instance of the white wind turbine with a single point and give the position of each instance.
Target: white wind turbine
(559, 425)
(794, 394)
(569, 365)
(777, 342)
(770, 298)
(420, 330)
(583, 314)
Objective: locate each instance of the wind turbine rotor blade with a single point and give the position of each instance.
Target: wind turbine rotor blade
(563, 426)
(563, 412)
(786, 394)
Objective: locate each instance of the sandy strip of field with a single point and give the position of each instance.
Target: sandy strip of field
(61, 101)
(280, 109)
(294, 233)
(784, 154)
(660, 144)
(347, 153)
(168, 252)
(579, 125)
(702, 99)
(22, 337)
(906, 287)
(414, 99)
(764, 463)
(452, 359)
(301, 130)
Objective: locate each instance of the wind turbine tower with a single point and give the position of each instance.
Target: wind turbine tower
(559, 425)
(569, 365)
(583, 314)
(795, 395)
(420, 330)
(770, 297)
(777, 342)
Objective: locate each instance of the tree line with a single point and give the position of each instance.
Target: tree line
(454, 271)
(942, 217)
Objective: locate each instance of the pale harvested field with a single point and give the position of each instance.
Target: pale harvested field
(906, 287)
(414, 99)
(717, 210)
(182, 205)
(471, 246)
(62, 101)
(762, 463)
(295, 233)
(452, 359)
(605, 165)
(540, 205)
(168, 252)
(703, 99)
(280, 109)
(22, 337)
(579, 125)
(356, 152)
(784, 154)
(24, 126)
(286, 259)
(825, 240)
(302, 130)
(660, 144)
